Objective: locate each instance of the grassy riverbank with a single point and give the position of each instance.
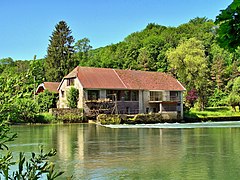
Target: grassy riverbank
(212, 112)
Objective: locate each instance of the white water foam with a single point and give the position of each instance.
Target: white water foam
(222, 124)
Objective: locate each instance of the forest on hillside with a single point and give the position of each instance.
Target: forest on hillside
(204, 55)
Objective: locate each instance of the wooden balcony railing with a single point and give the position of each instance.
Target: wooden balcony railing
(165, 98)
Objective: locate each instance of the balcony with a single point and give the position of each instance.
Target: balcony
(175, 98)
(155, 99)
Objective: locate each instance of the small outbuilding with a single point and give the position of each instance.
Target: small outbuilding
(50, 86)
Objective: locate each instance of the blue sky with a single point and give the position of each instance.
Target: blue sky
(27, 24)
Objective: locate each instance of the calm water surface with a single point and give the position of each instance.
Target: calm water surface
(89, 151)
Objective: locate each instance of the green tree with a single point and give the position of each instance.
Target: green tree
(82, 48)
(189, 63)
(5, 63)
(45, 101)
(234, 100)
(72, 97)
(144, 60)
(59, 60)
(220, 66)
(229, 26)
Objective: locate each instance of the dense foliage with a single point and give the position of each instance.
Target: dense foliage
(72, 97)
(190, 52)
(229, 25)
(46, 100)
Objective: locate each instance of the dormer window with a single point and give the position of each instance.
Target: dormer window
(70, 82)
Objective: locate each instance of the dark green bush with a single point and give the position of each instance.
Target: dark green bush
(105, 119)
(148, 118)
(71, 118)
(72, 97)
(44, 118)
(46, 100)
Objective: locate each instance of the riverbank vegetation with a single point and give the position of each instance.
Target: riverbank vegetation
(212, 112)
(204, 55)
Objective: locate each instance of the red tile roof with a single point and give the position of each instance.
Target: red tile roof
(105, 78)
(99, 78)
(146, 80)
(50, 86)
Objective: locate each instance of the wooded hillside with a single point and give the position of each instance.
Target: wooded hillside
(192, 52)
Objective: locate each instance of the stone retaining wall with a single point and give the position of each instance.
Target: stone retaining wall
(64, 111)
(67, 115)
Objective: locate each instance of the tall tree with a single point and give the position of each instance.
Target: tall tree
(220, 67)
(144, 60)
(229, 26)
(189, 63)
(59, 60)
(82, 48)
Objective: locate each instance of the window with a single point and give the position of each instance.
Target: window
(123, 95)
(156, 96)
(127, 110)
(113, 94)
(93, 94)
(174, 96)
(62, 92)
(127, 95)
(135, 96)
(169, 107)
(70, 82)
(147, 110)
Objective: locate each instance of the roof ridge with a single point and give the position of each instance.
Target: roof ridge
(119, 78)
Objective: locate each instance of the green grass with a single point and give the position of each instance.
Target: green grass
(213, 112)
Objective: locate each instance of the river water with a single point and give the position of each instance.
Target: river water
(162, 151)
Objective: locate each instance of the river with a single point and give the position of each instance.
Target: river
(163, 151)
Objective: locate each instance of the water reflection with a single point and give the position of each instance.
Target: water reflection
(87, 151)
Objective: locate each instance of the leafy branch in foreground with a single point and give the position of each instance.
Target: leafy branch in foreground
(34, 168)
(5, 136)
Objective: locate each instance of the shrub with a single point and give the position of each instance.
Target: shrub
(148, 118)
(71, 118)
(45, 118)
(72, 97)
(106, 119)
(45, 101)
(25, 110)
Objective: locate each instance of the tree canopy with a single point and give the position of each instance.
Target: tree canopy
(189, 62)
(229, 26)
(59, 60)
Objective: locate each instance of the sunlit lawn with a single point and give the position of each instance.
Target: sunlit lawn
(213, 112)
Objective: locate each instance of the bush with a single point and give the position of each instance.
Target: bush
(25, 110)
(72, 97)
(45, 118)
(71, 118)
(147, 118)
(106, 119)
(46, 100)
